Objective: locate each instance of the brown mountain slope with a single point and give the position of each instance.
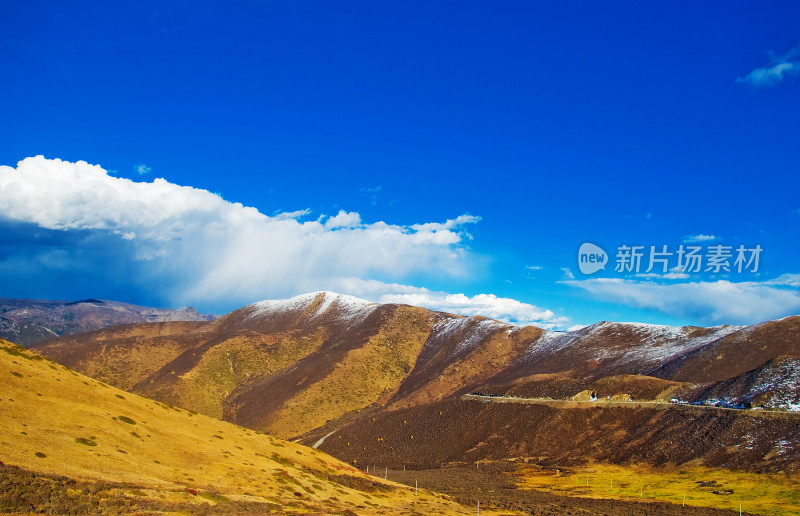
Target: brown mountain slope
(655, 362)
(97, 449)
(323, 362)
(739, 352)
(290, 366)
(286, 367)
(458, 357)
(459, 430)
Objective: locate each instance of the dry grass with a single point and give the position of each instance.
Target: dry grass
(235, 362)
(367, 374)
(757, 493)
(60, 423)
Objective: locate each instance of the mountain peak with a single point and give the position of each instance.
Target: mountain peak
(322, 301)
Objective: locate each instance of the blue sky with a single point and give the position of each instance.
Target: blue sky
(451, 154)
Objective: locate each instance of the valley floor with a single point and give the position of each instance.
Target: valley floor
(497, 485)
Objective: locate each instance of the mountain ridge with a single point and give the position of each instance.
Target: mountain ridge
(322, 362)
(27, 321)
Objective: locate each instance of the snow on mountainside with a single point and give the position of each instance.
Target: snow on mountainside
(619, 343)
(345, 306)
(469, 331)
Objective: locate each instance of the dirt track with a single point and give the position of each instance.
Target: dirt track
(661, 405)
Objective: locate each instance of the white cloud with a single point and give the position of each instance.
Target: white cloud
(788, 280)
(694, 239)
(534, 267)
(373, 193)
(142, 169)
(779, 68)
(211, 249)
(675, 275)
(343, 219)
(567, 273)
(190, 246)
(669, 275)
(294, 215)
(710, 302)
(487, 305)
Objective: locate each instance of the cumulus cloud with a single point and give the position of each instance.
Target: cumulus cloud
(717, 302)
(694, 239)
(217, 248)
(780, 67)
(190, 246)
(488, 305)
(343, 219)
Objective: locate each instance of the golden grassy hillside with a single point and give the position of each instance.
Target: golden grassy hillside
(103, 449)
(203, 379)
(367, 374)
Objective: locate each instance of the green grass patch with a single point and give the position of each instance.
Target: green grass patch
(214, 497)
(126, 419)
(281, 460)
(20, 352)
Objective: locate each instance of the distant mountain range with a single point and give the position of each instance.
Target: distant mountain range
(26, 321)
(392, 383)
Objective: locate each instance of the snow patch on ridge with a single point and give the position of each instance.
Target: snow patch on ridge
(780, 380)
(652, 343)
(662, 342)
(349, 307)
(473, 330)
(553, 341)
